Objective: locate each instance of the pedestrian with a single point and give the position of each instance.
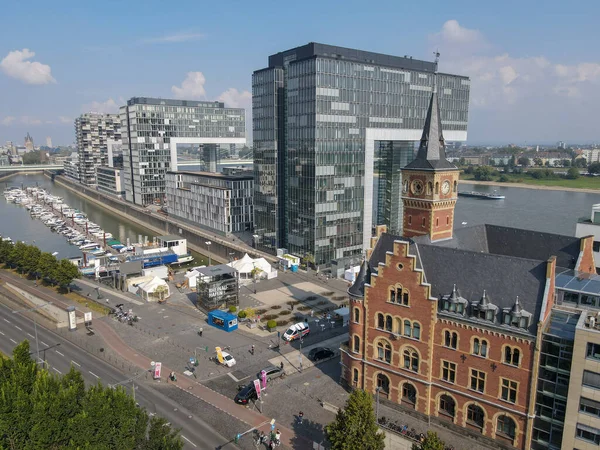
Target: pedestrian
(292, 306)
(300, 417)
(281, 365)
(312, 312)
(200, 331)
(252, 349)
(107, 301)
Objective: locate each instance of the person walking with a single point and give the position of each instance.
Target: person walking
(281, 365)
(107, 301)
(200, 331)
(300, 417)
(252, 350)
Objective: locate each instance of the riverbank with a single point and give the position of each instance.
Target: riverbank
(533, 186)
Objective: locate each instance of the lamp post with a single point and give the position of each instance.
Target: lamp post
(37, 344)
(132, 379)
(208, 251)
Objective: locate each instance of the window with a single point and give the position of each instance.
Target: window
(589, 406)
(409, 394)
(591, 379)
(416, 331)
(593, 351)
(512, 355)
(506, 427)
(451, 339)
(475, 416)
(508, 391)
(587, 433)
(356, 345)
(423, 222)
(480, 347)
(384, 352)
(407, 328)
(393, 295)
(356, 315)
(380, 321)
(404, 298)
(410, 220)
(411, 360)
(383, 383)
(477, 380)
(355, 377)
(388, 323)
(447, 406)
(448, 371)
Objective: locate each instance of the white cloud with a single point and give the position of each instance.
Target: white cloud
(107, 107)
(453, 32)
(8, 120)
(28, 120)
(175, 38)
(236, 99)
(191, 88)
(15, 65)
(65, 119)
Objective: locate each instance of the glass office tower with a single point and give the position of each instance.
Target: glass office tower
(320, 114)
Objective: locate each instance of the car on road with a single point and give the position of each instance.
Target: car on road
(272, 373)
(296, 331)
(246, 394)
(228, 360)
(319, 353)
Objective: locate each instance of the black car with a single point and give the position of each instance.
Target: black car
(318, 353)
(246, 394)
(272, 373)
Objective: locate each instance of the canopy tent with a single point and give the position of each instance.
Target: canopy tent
(155, 289)
(247, 265)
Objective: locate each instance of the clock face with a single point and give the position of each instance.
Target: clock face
(445, 187)
(417, 187)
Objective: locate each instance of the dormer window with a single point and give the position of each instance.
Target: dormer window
(516, 316)
(454, 303)
(484, 309)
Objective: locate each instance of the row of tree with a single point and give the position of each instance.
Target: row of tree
(30, 260)
(43, 410)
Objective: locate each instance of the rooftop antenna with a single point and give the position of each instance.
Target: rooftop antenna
(435, 70)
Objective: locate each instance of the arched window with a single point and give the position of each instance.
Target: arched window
(475, 416)
(451, 339)
(356, 344)
(437, 187)
(416, 330)
(423, 222)
(437, 221)
(405, 298)
(480, 347)
(405, 188)
(384, 351)
(409, 394)
(393, 295)
(383, 383)
(388, 323)
(447, 220)
(506, 428)
(355, 377)
(356, 315)
(454, 188)
(380, 321)
(407, 328)
(512, 355)
(398, 323)
(411, 360)
(447, 406)
(429, 187)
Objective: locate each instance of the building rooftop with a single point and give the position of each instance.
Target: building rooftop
(213, 271)
(222, 176)
(172, 102)
(170, 237)
(572, 280)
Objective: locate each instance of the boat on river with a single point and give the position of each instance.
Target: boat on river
(483, 195)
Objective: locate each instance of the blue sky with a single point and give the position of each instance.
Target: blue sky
(535, 68)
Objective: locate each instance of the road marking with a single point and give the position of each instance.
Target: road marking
(1, 333)
(43, 343)
(59, 353)
(232, 377)
(7, 321)
(57, 370)
(18, 328)
(76, 363)
(92, 373)
(189, 440)
(13, 340)
(30, 335)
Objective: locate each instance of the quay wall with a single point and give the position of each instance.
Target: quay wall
(220, 248)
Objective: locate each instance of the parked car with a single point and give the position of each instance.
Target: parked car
(228, 360)
(296, 331)
(246, 394)
(272, 373)
(319, 353)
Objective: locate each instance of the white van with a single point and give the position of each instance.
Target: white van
(296, 331)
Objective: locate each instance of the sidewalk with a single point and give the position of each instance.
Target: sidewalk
(250, 417)
(107, 292)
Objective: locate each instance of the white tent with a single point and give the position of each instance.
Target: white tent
(246, 265)
(148, 290)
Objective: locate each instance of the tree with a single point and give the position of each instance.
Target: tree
(566, 162)
(580, 162)
(160, 292)
(511, 162)
(594, 167)
(47, 266)
(431, 442)
(483, 173)
(309, 259)
(538, 161)
(65, 273)
(462, 162)
(572, 173)
(354, 426)
(523, 161)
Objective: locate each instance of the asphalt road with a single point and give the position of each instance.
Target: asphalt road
(60, 354)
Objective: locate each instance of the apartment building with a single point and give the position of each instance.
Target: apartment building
(110, 181)
(92, 132)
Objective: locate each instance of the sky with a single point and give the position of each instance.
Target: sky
(534, 66)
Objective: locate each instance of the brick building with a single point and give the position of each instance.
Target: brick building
(447, 323)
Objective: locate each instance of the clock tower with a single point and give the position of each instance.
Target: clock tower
(430, 182)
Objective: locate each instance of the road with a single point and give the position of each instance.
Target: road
(60, 354)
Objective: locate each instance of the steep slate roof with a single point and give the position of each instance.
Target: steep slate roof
(432, 149)
(364, 276)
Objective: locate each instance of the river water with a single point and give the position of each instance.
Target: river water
(543, 210)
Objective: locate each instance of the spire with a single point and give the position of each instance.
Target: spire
(432, 149)
(357, 290)
(484, 299)
(516, 309)
(454, 296)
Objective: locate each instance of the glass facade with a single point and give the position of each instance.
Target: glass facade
(149, 124)
(331, 96)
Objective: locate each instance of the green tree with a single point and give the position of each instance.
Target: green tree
(462, 162)
(31, 260)
(580, 162)
(572, 173)
(431, 442)
(512, 162)
(354, 426)
(309, 259)
(32, 158)
(594, 167)
(161, 436)
(483, 173)
(65, 273)
(538, 161)
(566, 162)
(47, 266)
(524, 161)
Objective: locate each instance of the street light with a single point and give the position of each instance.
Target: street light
(34, 324)
(208, 251)
(132, 379)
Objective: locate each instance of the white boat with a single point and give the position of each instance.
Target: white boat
(183, 259)
(89, 247)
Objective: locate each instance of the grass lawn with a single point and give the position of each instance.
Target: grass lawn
(579, 183)
(88, 303)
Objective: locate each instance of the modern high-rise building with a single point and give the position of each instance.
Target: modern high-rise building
(152, 129)
(332, 127)
(93, 131)
(48, 141)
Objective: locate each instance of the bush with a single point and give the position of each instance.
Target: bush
(260, 312)
(271, 324)
(293, 302)
(276, 307)
(285, 312)
(339, 297)
(242, 314)
(270, 316)
(232, 309)
(282, 323)
(572, 173)
(503, 178)
(328, 293)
